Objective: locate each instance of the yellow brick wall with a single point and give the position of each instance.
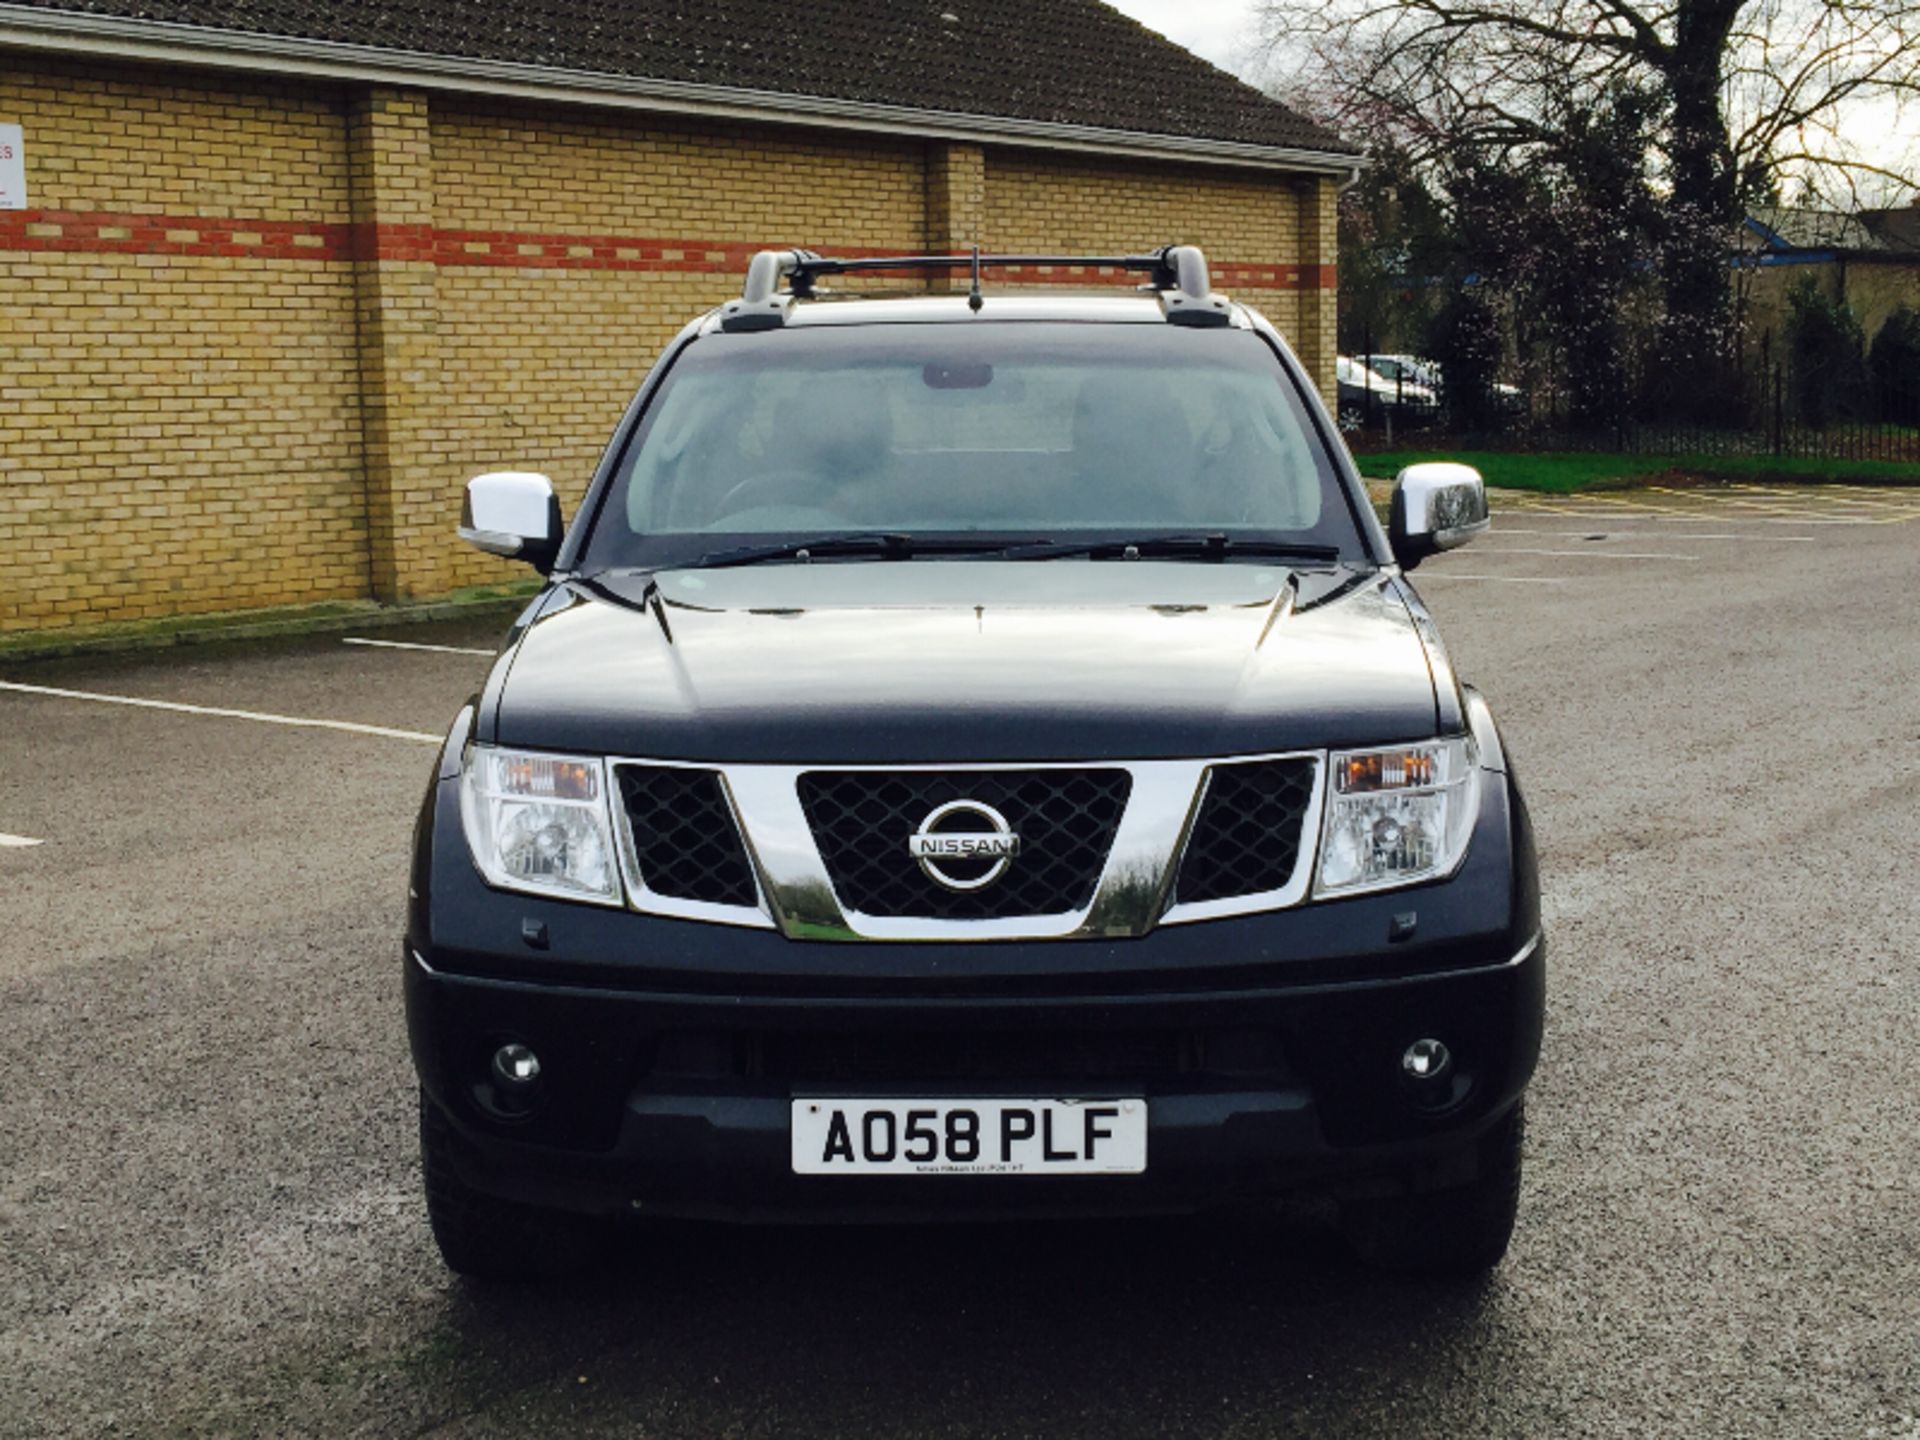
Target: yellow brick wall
(1038, 202)
(1068, 203)
(511, 167)
(403, 424)
(956, 199)
(1314, 333)
(178, 433)
(455, 286)
(141, 140)
(537, 365)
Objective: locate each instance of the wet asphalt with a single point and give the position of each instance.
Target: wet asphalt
(210, 1216)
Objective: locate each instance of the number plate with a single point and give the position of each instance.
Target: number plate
(969, 1137)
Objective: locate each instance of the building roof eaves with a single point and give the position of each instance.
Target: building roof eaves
(73, 32)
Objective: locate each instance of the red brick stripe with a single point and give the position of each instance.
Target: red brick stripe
(112, 233)
(96, 232)
(543, 251)
(1227, 274)
(393, 242)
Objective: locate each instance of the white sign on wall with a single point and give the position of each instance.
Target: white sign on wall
(13, 169)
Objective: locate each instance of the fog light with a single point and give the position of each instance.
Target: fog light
(515, 1066)
(1426, 1060)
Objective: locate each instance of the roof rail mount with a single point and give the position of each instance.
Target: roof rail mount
(1177, 273)
(761, 306)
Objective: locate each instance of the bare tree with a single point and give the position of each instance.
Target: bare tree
(1745, 90)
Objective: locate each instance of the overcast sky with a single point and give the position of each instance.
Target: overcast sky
(1217, 29)
(1223, 32)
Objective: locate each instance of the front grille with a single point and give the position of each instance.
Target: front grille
(684, 836)
(1066, 819)
(1247, 838)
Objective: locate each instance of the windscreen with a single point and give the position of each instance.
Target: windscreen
(1056, 430)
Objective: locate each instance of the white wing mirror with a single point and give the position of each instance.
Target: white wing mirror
(513, 513)
(1436, 506)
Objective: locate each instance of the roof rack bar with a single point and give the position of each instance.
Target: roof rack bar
(804, 272)
(1178, 272)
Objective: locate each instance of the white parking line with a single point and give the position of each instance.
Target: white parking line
(18, 842)
(1722, 507)
(1623, 517)
(1807, 519)
(1672, 516)
(261, 717)
(1801, 520)
(1631, 534)
(1822, 509)
(1586, 554)
(1611, 504)
(414, 645)
(1831, 495)
(1426, 575)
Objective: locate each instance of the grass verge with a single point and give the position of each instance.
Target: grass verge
(1563, 472)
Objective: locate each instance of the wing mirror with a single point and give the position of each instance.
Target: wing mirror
(1435, 507)
(513, 513)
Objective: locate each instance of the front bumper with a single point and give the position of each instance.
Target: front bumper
(619, 1130)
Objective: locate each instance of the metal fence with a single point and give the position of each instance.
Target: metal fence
(1762, 407)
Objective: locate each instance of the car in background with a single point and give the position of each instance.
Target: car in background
(1428, 375)
(1368, 397)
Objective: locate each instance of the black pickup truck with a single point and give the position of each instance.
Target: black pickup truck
(974, 755)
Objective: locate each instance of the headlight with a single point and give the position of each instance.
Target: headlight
(539, 823)
(1397, 816)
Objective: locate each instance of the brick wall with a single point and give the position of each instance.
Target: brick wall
(1249, 227)
(256, 336)
(179, 411)
(583, 247)
(1271, 242)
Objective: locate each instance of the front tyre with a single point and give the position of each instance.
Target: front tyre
(484, 1237)
(1457, 1233)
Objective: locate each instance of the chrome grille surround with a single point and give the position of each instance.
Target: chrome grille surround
(797, 896)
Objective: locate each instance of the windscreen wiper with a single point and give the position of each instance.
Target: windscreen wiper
(1200, 547)
(880, 545)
